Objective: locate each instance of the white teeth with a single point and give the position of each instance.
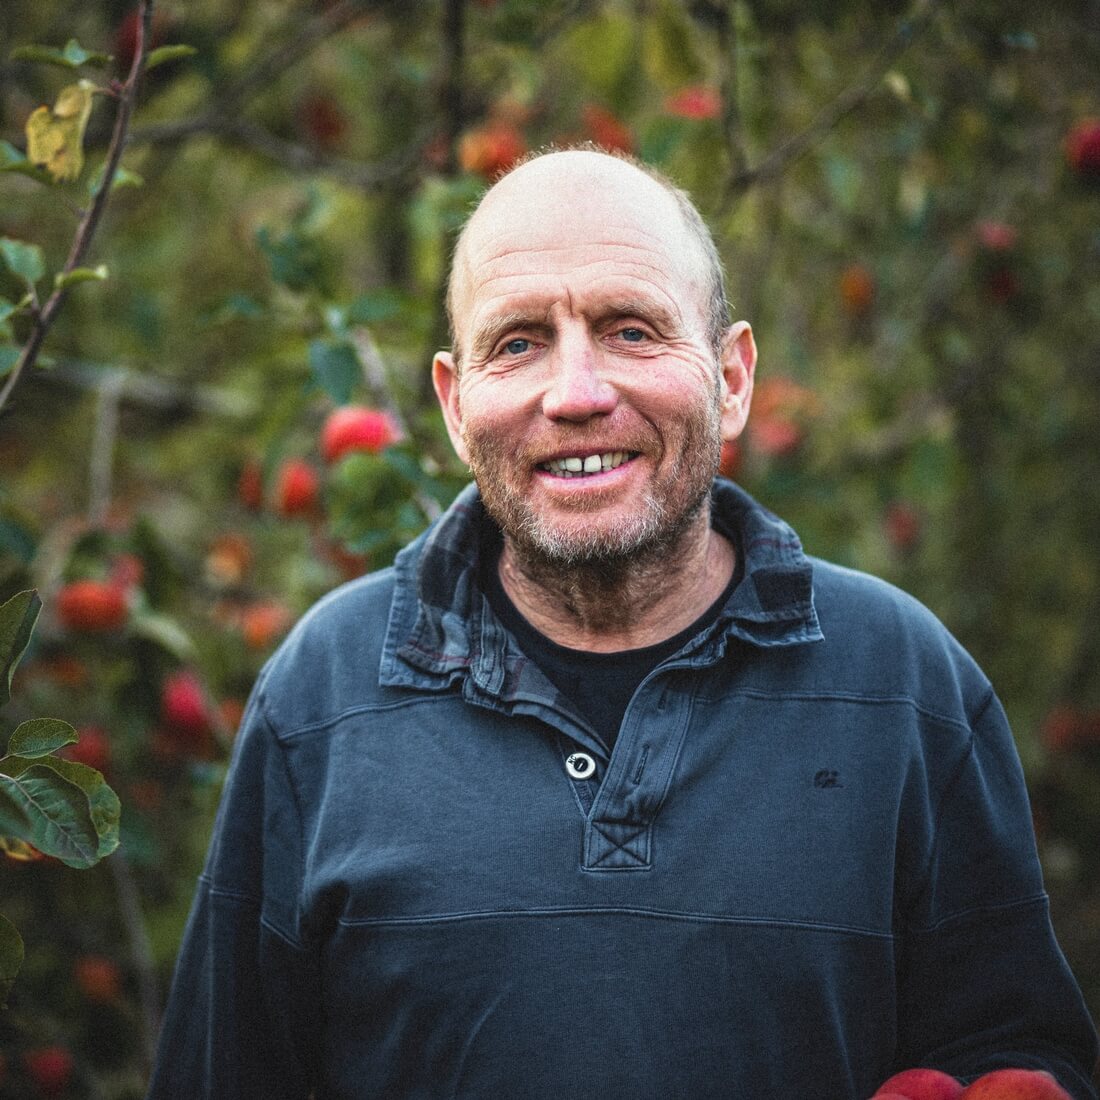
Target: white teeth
(575, 466)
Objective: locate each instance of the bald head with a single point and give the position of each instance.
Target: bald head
(594, 181)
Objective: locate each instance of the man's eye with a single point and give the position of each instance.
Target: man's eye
(517, 346)
(632, 335)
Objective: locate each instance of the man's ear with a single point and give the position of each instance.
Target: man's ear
(738, 369)
(445, 380)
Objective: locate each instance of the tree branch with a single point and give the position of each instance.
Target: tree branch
(288, 154)
(452, 106)
(268, 69)
(89, 223)
(844, 104)
(729, 89)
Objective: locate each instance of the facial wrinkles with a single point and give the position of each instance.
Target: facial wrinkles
(496, 271)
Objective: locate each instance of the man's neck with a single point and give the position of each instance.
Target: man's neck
(607, 607)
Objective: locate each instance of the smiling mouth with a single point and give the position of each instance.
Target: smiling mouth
(587, 465)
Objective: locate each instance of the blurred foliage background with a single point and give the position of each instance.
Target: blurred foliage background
(907, 199)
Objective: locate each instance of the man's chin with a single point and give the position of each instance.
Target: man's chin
(586, 542)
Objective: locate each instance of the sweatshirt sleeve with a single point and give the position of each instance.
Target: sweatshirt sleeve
(982, 982)
(243, 1009)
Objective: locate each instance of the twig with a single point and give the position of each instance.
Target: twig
(297, 158)
(844, 104)
(267, 70)
(85, 231)
(155, 396)
(101, 461)
(730, 91)
(452, 107)
(452, 84)
(141, 951)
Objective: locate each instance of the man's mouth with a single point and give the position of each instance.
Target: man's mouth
(586, 465)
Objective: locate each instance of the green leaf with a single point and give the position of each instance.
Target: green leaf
(103, 803)
(164, 632)
(39, 737)
(24, 260)
(17, 619)
(16, 538)
(336, 368)
(123, 178)
(168, 53)
(59, 817)
(12, 160)
(9, 356)
(80, 275)
(669, 49)
(72, 56)
(377, 305)
(11, 957)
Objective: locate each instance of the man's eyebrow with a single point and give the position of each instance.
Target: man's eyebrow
(646, 309)
(486, 336)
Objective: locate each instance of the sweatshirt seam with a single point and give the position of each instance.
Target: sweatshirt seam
(1033, 900)
(894, 699)
(953, 780)
(597, 911)
(280, 748)
(247, 900)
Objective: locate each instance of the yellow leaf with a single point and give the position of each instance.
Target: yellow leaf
(19, 850)
(55, 136)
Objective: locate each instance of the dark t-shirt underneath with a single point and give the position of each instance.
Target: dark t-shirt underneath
(599, 685)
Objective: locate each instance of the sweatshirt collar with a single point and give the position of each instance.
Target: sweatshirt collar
(441, 629)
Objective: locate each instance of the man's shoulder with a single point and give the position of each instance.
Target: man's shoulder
(876, 633)
(329, 661)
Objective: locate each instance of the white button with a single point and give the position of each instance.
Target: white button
(580, 766)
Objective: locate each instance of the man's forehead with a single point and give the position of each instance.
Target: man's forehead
(590, 186)
(572, 206)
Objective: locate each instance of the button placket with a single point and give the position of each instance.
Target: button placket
(619, 830)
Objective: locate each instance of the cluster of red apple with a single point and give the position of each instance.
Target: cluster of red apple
(298, 484)
(1000, 1084)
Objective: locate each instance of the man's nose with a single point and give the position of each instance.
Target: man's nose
(578, 390)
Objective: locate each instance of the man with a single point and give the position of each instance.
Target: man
(605, 789)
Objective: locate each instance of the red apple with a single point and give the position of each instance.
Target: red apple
(1015, 1084)
(262, 623)
(228, 560)
(250, 486)
(93, 748)
(98, 978)
(491, 149)
(857, 289)
(50, 1068)
(1083, 149)
(92, 607)
(296, 489)
(697, 102)
(997, 236)
(606, 130)
(903, 525)
(357, 428)
(323, 120)
(183, 707)
(921, 1084)
(126, 35)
